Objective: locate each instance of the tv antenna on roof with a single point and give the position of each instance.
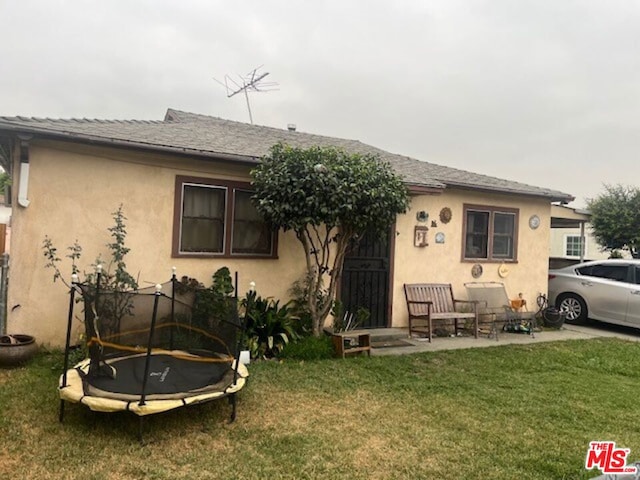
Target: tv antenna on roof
(252, 81)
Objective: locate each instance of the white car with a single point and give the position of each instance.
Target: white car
(605, 290)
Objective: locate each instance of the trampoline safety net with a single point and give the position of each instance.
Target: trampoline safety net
(162, 343)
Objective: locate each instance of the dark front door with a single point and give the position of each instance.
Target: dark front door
(365, 280)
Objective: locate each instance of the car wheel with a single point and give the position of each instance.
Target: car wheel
(574, 308)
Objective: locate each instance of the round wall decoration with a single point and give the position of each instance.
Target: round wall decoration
(422, 216)
(476, 271)
(445, 215)
(534, 221)
(503, 270)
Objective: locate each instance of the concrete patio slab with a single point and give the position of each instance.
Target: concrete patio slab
(416, 345)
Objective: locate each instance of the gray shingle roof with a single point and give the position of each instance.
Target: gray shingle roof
(215, 137)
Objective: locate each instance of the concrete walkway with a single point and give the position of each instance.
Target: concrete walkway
(392, 336)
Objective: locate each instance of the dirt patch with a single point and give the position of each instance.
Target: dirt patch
(8, 464)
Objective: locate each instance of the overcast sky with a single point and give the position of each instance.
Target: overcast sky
(546, 92)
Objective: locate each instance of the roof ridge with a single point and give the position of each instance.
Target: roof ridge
(199, 116)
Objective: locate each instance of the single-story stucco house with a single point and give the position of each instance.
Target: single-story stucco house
(185, 189)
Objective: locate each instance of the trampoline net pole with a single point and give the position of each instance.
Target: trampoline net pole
(67, 344)
(72, 294)
(173, 309)
(240, 326)
(147, 362)
(91, 311)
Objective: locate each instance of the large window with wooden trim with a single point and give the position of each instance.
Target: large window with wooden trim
(490, 233)
(216, 218)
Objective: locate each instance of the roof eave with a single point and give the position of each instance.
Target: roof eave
(119, 143)
(550, 196)
(421, 189)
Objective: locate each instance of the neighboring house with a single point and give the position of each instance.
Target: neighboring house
(184, 186)
(572, 240)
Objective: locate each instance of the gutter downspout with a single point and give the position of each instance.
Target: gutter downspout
(23, 186)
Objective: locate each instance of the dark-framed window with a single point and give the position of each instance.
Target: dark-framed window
(490, 233)
(215, 218)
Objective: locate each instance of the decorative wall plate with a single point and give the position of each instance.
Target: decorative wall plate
(476, 271)
(503, 270)
(445, 215)
(534, 221)
(440, 237)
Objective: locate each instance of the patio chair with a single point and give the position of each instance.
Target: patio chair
(495, 309)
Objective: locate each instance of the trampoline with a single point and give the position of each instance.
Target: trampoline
(150, 352)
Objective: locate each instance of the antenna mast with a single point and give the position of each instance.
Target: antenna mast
(252, 81)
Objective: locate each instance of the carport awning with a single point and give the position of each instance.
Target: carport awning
(565, 217)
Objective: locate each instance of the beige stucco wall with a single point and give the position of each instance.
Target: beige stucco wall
(74, 190)
(442, 263)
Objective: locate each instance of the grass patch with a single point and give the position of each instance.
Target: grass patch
(507, 412)
(309, 348)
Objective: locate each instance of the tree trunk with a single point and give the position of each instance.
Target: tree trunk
(321, 261)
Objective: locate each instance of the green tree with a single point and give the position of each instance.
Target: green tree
(615, 218)
(5, 180)
(329, 198)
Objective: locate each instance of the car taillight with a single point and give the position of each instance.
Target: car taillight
(551, 277)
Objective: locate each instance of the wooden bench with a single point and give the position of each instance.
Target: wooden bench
(427, 302)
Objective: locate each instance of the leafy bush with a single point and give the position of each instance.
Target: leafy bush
(215, 302)
(344, 320)
(214, 310)
(269, 326)
(114, 280)
(308, 349)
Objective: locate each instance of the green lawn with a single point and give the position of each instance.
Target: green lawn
(506, 412)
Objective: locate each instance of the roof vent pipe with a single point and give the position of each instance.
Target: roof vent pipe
(291, 127)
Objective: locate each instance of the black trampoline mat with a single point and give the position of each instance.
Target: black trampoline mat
(167, 375)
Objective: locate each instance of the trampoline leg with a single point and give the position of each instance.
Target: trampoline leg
(232, 401)
(61, 415)
(140, 429)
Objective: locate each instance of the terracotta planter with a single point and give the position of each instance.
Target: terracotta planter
(16, 349)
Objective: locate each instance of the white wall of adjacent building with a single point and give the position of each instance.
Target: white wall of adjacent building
(566, 242)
